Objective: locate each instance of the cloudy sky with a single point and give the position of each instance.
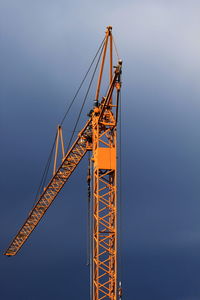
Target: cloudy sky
(46, 47)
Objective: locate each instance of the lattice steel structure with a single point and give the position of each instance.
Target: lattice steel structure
(99, 135)
(104, 208)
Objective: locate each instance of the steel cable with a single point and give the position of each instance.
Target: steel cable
(84, 100)
(81, 84)
(48, 163)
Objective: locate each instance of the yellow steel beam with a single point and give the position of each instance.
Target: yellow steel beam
(69, 164)
(104, 150)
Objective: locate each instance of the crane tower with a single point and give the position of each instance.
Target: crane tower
(99, 136)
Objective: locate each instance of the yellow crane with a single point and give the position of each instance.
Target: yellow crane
(99, 136)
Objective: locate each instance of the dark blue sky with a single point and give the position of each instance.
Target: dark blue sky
(46, 47)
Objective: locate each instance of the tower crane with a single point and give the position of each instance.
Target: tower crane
(98, 136)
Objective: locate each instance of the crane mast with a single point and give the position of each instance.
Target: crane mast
(104, 150)
(99, 135)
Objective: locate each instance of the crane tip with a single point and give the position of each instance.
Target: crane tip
(109, 28)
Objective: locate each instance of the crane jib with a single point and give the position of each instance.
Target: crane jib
(70, 162)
